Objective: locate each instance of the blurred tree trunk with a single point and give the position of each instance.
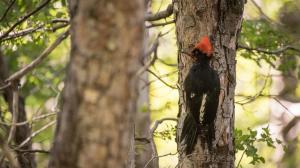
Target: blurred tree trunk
(99, 99)
(222, 20)
(143, 150)
(26, 159)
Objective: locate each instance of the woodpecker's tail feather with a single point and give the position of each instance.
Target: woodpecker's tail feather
(190, 132)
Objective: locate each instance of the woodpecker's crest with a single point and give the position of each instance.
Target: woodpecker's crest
(204, 46)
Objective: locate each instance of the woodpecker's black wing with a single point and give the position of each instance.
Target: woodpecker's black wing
(193, 85)
(211, 106)
(202, 88)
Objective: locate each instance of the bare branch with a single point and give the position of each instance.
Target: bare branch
(275, 52)
(286, 129)
(7, 10)
(35, 134)
(17, 75)
(154, 157)
(160, 15)
(29, 121)
(264, 15)
(25, 17)
(34, 29)
(160, 24)
(8, 154)
(157, 122)
(60, 20)
(153, 146)
(33, 151)
(159, 78)
(153, 49)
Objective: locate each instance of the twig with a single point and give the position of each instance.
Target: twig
(33, 151)
(32, 30)
(172, 87)
(275, 52)
(7, 10)
(35, 134)
(160, 24)
(262, 95)
(154, 157)
(161, 76)
(153, 49)
(5, 86)
(263, 13)
(23, 18)
(38, 60)
(157, 122)
(8, 153)
(142, 139)
(153, 146)
(28, 121)
(237, 166)
(57, 20)
(160, 15)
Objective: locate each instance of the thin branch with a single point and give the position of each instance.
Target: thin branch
(262, 95)
(261, 11)
(275, 52)
(25, 17)
(160, 24)
(32, 30)
(153, 49)
(17, 75)
(60, 20)
(167, 64)
(33, 151)
(7, 10)
(35, 134)
(250, 99)
(153, 146)
(157, 122)
(142, 139)
(237, 166)
(159, 78)
(278, 101)
(8, 154)
(154, 157)
(160, 15)
(29, 121)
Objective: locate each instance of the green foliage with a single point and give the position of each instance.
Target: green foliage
(247, 142)
(262, 35)
(40, 87)
(269, 39)
(167, 134)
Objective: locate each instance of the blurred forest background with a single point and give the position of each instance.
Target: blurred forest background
(267, 93)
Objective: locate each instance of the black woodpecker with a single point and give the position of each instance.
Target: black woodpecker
(202, 89)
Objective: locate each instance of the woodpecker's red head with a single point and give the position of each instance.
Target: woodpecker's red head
(204, 46)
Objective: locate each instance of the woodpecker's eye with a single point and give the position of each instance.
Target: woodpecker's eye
(196, 52)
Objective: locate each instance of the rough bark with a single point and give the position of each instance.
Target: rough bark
(96, 121)
(220, 19)
(26, 160)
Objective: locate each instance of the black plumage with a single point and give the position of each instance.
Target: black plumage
(202, 89)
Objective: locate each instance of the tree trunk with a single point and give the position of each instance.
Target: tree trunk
(99, 99)
(221, 20)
